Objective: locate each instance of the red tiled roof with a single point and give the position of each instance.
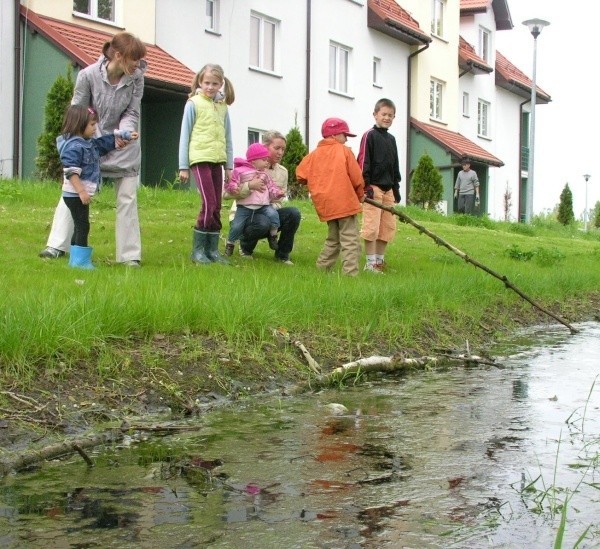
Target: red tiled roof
(456, 144)
(388, 17)
(514, 80)
(474, 5)
(500, 7)
(469, 61)
(84, 46)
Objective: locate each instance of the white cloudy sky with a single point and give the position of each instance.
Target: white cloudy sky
(566, 144)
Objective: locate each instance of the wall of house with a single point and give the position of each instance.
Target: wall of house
(7, 78)
(507, 147)
(503, 141)
(42, 64)
(279, 101)
(135, 16)
(439, 61)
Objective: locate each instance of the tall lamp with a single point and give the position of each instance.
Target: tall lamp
(585, 213)
(535, 27)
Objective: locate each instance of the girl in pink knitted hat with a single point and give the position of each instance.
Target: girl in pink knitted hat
(263, 191)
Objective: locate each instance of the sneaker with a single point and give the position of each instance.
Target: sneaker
(272, 238)
(380, 267)
(245, 255)
(372, 268)
(51, 253)
(229, 247)
(287, 261)
(136, 263)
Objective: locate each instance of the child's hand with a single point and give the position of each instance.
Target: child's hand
(257, 184)
(184, 175)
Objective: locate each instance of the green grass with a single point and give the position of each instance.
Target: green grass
(53, 317)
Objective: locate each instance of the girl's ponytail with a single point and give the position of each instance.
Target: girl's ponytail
(229, 91)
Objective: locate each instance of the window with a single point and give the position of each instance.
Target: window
(485, 42)
(465, 105)
(254, 136)
(483, 118)
(263, 36)
(212, 15)
(96, 9)
(437, 18)
(377, 72)
(339, 61)
(435, 99)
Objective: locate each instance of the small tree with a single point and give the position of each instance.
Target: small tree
(295, 151)
(596, 215)
(426, 186)
(58, 99)
(565, 207)
(507, 203)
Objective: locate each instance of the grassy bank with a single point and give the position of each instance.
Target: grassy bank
(187, 329)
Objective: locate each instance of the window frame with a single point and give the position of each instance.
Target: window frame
(262, 62)
(438, 12)
(485, 44)
(377, 72)
(483, 118)
(212, 21)
(436, 99)
(93, 13)
(465, 105)
(259, 134)
(339, 68)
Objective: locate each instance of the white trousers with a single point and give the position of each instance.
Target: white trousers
(127, 228)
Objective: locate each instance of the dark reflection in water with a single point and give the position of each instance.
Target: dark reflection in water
(447, 458)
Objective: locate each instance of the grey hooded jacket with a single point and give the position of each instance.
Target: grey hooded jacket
(118, 107)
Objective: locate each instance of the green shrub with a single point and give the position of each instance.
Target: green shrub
(515, 252)
(426, 184)
(295, 151)
(465, 220)
(58, 99)
(565, 208)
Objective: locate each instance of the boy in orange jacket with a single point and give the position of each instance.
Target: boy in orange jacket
(336, 186)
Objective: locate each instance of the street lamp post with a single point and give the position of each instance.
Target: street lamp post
(535, 27)
(585, 213)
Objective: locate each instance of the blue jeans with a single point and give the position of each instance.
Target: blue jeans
(243, 214)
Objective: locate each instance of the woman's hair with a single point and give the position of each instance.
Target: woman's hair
(270, 136)
(218, 72)
(128, 45)
(77, 118)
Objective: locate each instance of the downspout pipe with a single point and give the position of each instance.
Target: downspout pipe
(307, 79)
(408, 111)
(17, 93)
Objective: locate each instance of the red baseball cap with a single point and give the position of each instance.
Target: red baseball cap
(335, 126)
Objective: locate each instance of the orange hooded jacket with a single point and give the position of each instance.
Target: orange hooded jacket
(334, 180)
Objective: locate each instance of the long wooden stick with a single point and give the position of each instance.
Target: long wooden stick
(442, 242)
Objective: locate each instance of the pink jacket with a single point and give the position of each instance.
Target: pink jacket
(244, 171)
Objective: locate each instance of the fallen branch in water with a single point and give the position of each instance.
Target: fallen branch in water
(52, 451)
(440, 241)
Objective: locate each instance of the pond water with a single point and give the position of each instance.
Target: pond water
(460, 457)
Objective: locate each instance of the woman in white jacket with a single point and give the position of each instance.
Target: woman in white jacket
(113, 87)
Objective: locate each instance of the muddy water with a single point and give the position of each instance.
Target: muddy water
(464, 457)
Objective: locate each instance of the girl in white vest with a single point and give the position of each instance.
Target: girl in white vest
(205, 148)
